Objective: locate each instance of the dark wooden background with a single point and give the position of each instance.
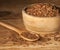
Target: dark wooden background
(17, 5)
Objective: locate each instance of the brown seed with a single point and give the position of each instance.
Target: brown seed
(42, 10)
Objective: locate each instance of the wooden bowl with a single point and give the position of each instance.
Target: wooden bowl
(40, 25)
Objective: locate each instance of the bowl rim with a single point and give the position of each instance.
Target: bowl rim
(23, 11)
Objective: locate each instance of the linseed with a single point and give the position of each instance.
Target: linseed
(42, 10)
(29, 35)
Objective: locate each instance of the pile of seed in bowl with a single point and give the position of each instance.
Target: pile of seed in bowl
(42, 10)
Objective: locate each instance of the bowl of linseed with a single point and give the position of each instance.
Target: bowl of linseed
(41, 18)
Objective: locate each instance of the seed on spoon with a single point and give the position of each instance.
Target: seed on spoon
(29, 36)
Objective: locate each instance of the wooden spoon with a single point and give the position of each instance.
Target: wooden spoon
(21, 32)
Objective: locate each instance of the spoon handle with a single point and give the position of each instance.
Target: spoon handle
(11, 27)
